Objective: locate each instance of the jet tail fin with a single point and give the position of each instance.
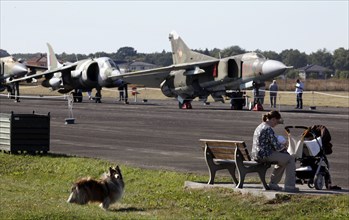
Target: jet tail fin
(52, 62)
(181, 52)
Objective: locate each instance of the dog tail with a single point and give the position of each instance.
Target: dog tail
(78, 195)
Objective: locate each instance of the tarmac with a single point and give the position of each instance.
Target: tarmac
(158, 135)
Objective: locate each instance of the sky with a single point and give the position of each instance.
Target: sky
(94, 26)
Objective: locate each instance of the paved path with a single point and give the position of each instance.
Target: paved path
(159, 135)
(258, 190)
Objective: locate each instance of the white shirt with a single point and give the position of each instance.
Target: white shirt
(299, 87)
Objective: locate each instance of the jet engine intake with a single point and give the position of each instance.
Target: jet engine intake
(166, 89)
(171, 91)
(179, 84)
(87, 73)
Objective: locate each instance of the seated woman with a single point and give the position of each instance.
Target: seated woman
(266, 148)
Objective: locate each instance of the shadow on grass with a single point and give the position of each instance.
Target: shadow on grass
(38, 153)
(60, 155)
(128, 209)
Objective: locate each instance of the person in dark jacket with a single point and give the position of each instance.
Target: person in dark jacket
(273, 89)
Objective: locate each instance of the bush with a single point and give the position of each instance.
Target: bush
(292, 74)
(330, 84)
(344, 74)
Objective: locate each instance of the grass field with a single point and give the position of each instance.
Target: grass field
(37, 187)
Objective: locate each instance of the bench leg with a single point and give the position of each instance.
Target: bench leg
(261, 174)
(242, 175)
(212, 171)
(232, 173)
(212, 175)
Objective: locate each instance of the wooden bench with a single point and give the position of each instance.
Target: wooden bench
(232, 155)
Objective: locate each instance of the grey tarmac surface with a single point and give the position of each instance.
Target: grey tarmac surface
(158, 135)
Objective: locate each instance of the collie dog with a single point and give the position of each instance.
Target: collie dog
(107, 190)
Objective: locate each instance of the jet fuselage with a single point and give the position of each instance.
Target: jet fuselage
(10, 68)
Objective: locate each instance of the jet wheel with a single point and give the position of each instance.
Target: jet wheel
(185, 105)
(79, 98)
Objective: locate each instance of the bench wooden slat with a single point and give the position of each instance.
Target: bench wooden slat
(226, 143)
(219, 142)
(242, 147)
(222, 150)
(224, 156)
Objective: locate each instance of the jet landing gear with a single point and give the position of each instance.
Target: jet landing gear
(237, 100)
(98, 96)
(185, 105)
(77, 95)
(13, 91)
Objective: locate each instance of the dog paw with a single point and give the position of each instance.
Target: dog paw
(103, 207)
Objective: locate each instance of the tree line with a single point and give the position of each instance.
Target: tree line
(337, 62)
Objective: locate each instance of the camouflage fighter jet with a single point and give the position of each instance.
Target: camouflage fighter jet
(10, 69)
(83, 75)
(195, 75)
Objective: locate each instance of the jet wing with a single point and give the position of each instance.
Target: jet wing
(60, 69)
(154, 77)
(36, 67)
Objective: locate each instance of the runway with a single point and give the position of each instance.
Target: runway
(158, 135)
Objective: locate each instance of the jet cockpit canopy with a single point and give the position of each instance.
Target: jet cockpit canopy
(252, 55)
(4, 53)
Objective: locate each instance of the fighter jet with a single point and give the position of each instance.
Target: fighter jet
(83, 75)
(195, 75)
(10, 69)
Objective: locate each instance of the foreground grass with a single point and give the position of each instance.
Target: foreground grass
(36, 187)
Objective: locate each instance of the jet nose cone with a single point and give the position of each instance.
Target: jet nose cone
(273, 67)
(19, 70)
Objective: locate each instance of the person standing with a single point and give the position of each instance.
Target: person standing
(255, 93)
(273, 89)
(89, 93)
(126, 94)
(299, 91)
(267, 148)
(121, 90)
